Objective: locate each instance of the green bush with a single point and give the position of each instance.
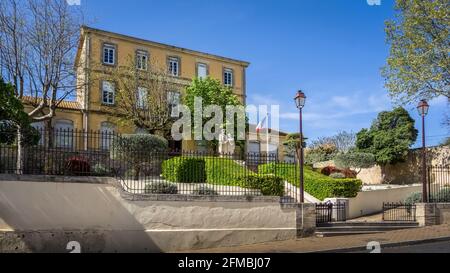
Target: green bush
(440, 197)
(161, 188)
(270, 185)
(414, 198)
(337, 175)
(137, 149)
(354, 160)
(203, 190)
(100, 169)
(184, 170)
(316, 184)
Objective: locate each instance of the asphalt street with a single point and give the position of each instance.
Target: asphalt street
(437, 247)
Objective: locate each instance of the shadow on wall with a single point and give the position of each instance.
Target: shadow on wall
(50, 215)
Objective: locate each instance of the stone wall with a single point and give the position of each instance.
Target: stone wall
(433, 214)
(408, 172)
(45, 216)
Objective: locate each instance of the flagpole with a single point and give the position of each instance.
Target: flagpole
(267, 137)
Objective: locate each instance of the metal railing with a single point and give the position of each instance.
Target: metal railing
(81, 153)
(439, 184)
(399, 212)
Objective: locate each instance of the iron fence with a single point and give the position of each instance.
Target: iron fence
(399, 212)
(329, 212)
(93, 153)
(439, 183)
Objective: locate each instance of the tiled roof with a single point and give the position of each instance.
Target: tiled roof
(65, 104)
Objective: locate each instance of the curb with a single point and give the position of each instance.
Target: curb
(387, 245)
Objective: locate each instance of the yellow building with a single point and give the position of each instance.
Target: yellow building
(100, 51)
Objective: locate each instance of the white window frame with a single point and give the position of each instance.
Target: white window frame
(205, 67)
(109, 99)
(228, 77)
(142, 97)
(174, 66)
(142, 60)
(110, 54)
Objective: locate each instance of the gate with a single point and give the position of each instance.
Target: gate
(329, 212)
(399, 212)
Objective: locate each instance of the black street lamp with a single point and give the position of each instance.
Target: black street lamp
(300, 103)
(423, 111)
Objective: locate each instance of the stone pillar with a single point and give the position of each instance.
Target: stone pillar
(427, 214)
(306, 220)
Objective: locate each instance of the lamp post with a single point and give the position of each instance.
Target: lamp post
(423, 111)
(300, 99)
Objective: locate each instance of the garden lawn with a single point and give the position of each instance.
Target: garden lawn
(221, 171)
(316, 184)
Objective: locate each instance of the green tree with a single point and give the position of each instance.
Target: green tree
(354, 160)
(213, 92)
(418, 65)
(11, 108)
(389, 138)
(13, 116)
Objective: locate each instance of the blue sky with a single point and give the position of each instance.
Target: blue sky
(331, 49)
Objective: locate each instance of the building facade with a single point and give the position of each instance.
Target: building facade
(100, 51)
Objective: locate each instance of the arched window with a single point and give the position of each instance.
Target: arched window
(64, 134)
(107, 130)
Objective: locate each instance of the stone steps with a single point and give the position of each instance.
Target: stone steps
(355, 228)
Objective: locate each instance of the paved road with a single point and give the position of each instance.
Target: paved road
(438, 247)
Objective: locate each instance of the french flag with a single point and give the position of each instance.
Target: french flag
(261, 125)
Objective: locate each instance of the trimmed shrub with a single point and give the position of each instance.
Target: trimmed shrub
(337, 175)
(349, 173)
(77, 165)
(184, 170)
(222, 171)
(316, 184)
(269, 185)
(329, 170)
(204, 190)
(161, 188)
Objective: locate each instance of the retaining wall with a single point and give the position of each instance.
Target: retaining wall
(45, 216)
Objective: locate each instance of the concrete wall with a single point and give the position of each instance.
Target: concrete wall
(370, 202)
(45, 216)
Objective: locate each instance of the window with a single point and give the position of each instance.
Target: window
(141, 60)
(107, 93)
(228, 77)
(109, 54)
(173, 99)
(202, 71)
(142, 98)
(106, 134)
(174, 66)
(64, 134)
(40, 127)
